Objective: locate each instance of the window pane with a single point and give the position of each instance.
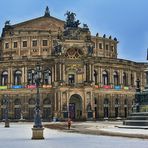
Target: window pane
(34, 43)
(44, 42)
(15, 44)
(6, 45)
(24, 43)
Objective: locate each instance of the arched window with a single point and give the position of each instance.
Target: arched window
(31, 101)
(47, 77)
(132, 79)
(47, 101)
(106, 106)
(17, 102)
(95, 77)
(124, 79)
(116, 78)
(30, 77)
(105, 78)
(17, 77)
(4, 78)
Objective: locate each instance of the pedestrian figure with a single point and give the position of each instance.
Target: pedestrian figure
(69, 123)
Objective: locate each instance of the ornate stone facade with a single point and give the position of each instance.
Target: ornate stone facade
(81, 75)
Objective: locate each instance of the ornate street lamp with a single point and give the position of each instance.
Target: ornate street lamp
(5, 102)
(37, 127)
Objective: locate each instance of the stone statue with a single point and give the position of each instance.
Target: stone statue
(90, 50)
(104, 36)
(7, 23)
(70, 21)
(58, 49)
(85, 26)
(47, 12)
(97, 34)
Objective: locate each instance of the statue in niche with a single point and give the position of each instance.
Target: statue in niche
(89, 107)
(90, 49)
(58, 49)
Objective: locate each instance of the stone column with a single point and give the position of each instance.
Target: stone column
(111, 77)
(39, 45)
(55, 72)
(19, 51)
(84, 75)
(92, 72)
(121, 78)
(23, 76)
(100, 73)
(55, 104)
(84, 104)
(60, 71)
(64, 77)
(29, 46)
(9, 76)
(52, 71)
(129, 78)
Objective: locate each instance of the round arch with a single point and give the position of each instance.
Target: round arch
(75, 106)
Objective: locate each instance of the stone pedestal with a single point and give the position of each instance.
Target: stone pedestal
(37, 133)
(7, 123)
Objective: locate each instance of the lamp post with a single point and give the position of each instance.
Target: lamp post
(5, 102)
(37, 127)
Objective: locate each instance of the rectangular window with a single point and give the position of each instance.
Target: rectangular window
(24, 43)
(100, 46)
(34, 43)
(106, 46)
(45, 42)
(15, 45)
(6, 45)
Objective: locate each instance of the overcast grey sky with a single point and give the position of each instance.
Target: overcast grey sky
(127, 20)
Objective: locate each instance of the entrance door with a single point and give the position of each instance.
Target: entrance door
(72, 110)
(75, 107)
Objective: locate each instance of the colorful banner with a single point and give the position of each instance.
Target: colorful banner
(3, 87)
(107, 86)
(31, 86)
(117, 87)
(47, 86)
(96, 86)
(17, 86)
(126, 88)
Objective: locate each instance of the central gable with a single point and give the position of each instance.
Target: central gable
(41, 23)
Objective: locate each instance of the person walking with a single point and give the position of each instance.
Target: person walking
(69, 123)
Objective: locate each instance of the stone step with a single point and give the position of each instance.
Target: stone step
(137, 118)
(136, 122)
(139, 114)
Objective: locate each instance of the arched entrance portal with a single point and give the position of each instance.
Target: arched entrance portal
(75, 107)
